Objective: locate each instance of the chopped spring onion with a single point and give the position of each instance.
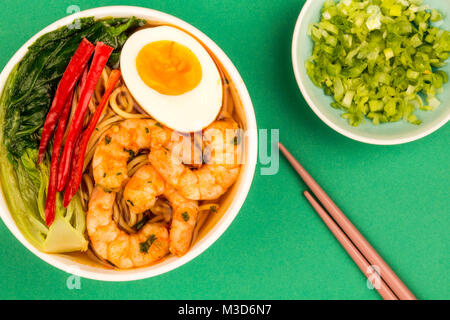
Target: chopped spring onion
(379, 59)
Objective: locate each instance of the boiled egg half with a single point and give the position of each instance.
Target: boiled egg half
(172, 77)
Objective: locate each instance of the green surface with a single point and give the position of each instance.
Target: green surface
(277, 248)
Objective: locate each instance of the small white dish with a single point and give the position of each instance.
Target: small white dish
(383, 134)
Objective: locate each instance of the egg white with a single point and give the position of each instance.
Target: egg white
(188, 112)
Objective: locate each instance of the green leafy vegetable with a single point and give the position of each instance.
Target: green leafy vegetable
(24, 187)
(24, 103)
(39, 72)
(378, 58)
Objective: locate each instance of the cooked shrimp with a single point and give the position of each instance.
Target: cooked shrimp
(188, 148)
(123, 250)
(142, 190)
(144, 187)
(213, 178)
(184, 219)
(121, 142)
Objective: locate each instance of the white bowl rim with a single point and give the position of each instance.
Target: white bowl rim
(343, 131)
(247, 174)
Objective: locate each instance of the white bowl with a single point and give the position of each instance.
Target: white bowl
(72, 264)
(383, 134)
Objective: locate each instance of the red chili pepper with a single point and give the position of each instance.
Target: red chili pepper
(65, 87)
(81, 84)
(80, 149)
(101, 56)
(50, 201)
(83, 78)
(71, 189)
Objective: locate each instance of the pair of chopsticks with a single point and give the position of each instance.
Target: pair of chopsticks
(383, 279)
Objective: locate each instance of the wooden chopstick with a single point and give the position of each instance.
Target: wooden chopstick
(382, 288)
(364, 247)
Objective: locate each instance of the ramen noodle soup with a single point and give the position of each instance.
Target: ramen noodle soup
(130, 147)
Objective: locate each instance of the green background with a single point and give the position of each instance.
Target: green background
(277, 247)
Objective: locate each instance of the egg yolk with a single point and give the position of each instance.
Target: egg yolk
(168, 67)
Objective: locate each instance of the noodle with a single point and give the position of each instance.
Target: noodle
(124, 114)
(136, 161)
(89, 184)
(227, 104)
(101, 84)
(138, 166)
(93, 256)
(122, 92)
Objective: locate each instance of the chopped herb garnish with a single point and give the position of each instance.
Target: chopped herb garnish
(107, 139)
(108, 190)
(146, 130)
(158, 124)
(145, 246)
(118, 173)
(138, 226)
(104, 175)
(130, 152)
(96, 129)
(185, 216)
(130, 202)
(236, 140)
(213, 208)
